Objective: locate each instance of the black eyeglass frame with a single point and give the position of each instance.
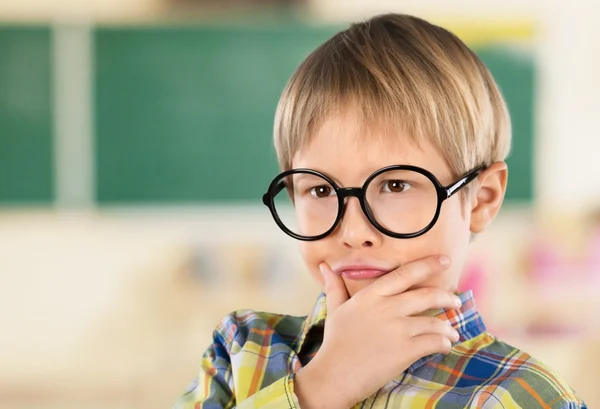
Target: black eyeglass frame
(443, 193)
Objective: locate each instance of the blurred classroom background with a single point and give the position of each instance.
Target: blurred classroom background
(135, 145)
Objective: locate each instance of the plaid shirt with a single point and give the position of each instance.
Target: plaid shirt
(254, 357)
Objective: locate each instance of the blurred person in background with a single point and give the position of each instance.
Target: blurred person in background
(392, 138)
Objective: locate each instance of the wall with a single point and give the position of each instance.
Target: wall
(49, 10)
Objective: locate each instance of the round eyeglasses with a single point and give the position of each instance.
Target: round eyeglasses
(401, 201)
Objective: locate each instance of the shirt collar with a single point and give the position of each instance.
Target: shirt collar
(465, 320)
(316, 319)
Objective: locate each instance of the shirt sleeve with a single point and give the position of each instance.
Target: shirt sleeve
(278, 395)
(213, 387)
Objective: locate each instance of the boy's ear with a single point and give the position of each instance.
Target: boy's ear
(488, 196)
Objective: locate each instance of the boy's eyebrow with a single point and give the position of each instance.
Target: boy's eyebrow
(282, 184)
(300, 177)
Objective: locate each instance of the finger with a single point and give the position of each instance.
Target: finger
(335, 289)
(419, 326)
(401, 279)
(429, 344)
(420, 300)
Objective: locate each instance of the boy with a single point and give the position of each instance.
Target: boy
(392, 138)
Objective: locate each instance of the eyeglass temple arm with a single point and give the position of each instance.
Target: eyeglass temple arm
(465, 180)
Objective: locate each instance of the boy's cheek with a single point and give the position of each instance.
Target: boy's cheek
(312, 259)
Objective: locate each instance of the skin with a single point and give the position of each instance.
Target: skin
(423, 272)
(336, 151)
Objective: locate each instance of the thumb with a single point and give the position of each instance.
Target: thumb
(335, 289)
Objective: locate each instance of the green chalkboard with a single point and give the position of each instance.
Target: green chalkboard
(514, 70)
(185, 114)
(26, 174)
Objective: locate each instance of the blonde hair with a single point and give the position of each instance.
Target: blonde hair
(398, 73)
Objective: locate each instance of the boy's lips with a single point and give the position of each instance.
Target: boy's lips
(361, 272)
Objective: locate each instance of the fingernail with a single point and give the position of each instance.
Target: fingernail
(458, 302)
(322, 270)
(444, 261)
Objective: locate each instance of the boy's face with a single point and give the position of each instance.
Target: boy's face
(336, 151)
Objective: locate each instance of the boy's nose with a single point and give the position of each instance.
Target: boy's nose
(356, 230)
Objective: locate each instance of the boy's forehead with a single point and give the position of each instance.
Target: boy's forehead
(342, 146)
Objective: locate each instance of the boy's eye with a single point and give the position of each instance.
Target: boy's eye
(395, 186)
(322, 191)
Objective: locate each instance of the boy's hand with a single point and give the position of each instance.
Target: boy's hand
(375, 335)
